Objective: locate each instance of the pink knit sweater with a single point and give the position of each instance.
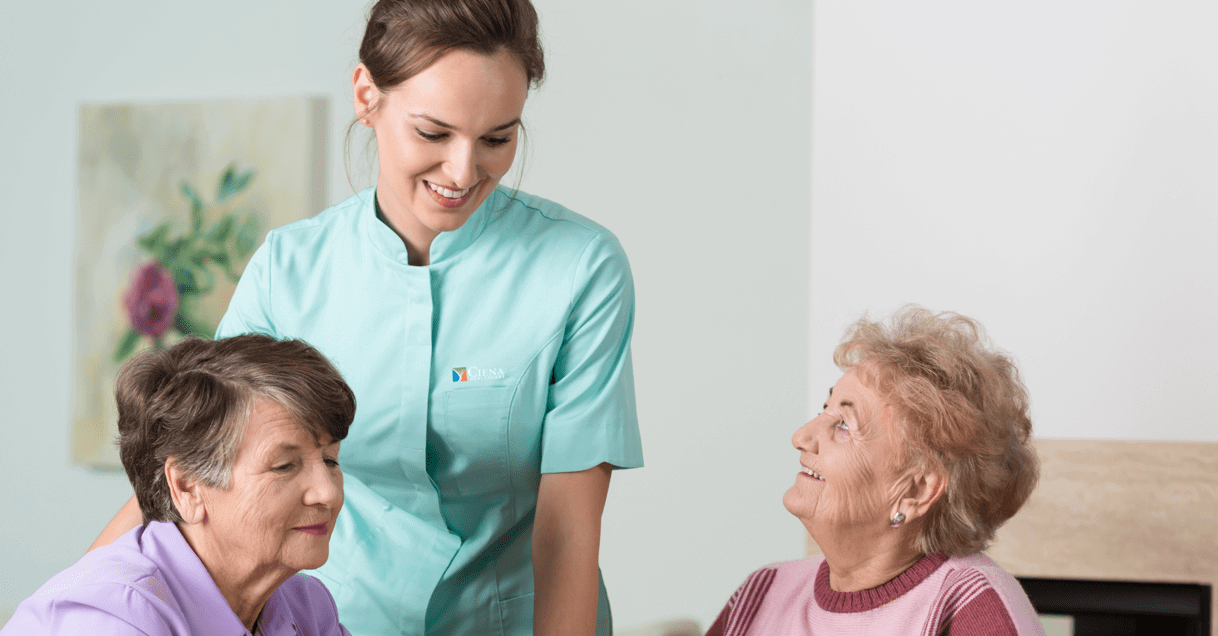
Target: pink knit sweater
(967, 595)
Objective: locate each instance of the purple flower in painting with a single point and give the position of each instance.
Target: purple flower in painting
(152, 301)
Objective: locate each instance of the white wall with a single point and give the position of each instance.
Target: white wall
(686, 132)
(1048, 167)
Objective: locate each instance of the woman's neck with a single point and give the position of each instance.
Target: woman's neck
(246, 585)
(864, 562)
(415, 236)
(868, 573)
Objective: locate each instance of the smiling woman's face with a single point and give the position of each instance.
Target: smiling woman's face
(445, 137)
(849, 476)
(285, 493)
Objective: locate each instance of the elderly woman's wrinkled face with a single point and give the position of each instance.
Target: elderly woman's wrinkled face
(850, 474)
(285, 494)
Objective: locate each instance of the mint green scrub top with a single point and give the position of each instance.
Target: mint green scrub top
(506, 358)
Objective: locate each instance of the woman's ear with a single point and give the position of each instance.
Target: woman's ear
(366, 93)
(925, 488)
(186, 493)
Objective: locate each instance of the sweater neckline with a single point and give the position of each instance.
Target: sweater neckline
(864, 600)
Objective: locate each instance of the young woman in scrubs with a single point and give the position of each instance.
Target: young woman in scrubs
(485, 332)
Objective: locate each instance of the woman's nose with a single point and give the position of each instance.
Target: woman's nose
(461, 164)
(804, 438)
(325, 486)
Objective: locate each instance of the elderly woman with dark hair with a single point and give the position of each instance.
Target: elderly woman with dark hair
(921, 453)
(232, 449)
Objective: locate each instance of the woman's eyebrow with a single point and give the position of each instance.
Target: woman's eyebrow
(847, 405)
(505, 126)
(451, 127)
(432, 120)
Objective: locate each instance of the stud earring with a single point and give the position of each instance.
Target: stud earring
(897, 520)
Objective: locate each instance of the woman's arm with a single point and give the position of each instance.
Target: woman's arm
(128, 517)
(566, 547)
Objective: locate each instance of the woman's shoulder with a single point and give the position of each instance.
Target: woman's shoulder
(981, 567)
(787, 584)
(114, 585)
(121, 563)
(796, 567)
(521, 208)
(555, 234)
(784, 574)
(983, 598)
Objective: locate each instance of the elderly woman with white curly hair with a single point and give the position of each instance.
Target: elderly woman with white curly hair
(921, 452)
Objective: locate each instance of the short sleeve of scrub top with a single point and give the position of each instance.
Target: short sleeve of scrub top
(505, 358)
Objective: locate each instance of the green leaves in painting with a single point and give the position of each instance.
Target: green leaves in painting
(246, 240)
(126, 346)
(165, 292)
(232, 182)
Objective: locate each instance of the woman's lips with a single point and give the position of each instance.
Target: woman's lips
(808, 472)
(316, 530)
(441, 195)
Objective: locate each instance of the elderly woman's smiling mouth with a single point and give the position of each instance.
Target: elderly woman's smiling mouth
(811, 473)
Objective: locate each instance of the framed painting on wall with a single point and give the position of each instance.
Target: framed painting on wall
(172, 199)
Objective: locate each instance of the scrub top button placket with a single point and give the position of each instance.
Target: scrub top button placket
(416, 365)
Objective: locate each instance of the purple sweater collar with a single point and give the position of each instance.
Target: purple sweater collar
(864, 600)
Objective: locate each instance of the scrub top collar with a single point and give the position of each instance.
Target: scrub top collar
(445, 246)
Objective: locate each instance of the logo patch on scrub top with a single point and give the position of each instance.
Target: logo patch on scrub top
(466, 374)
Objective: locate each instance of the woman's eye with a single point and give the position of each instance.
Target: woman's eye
(332, 463)
(283, 468)
(430, 136)
(842, 425)
(497, 141)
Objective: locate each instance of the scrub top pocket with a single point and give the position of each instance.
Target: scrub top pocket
(469, 446)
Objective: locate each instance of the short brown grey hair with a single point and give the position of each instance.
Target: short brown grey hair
(192, 402)
(960, 407)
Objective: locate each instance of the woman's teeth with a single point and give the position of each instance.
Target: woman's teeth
(445, 192)
(812, 473)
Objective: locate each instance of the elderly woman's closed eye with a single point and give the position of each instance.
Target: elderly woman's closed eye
(920, 453)
(232, 448)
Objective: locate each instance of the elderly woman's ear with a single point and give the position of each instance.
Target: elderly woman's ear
(924, 487)
(186, 493)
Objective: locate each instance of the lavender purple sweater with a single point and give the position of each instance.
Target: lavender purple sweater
(150, 582)
(967, 595)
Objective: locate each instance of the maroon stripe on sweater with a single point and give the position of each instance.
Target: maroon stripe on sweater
(959, 587)
(962, 586)
(717, 627)
(751, 594)
(985, 615)
(741, 608)
(970, 605)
